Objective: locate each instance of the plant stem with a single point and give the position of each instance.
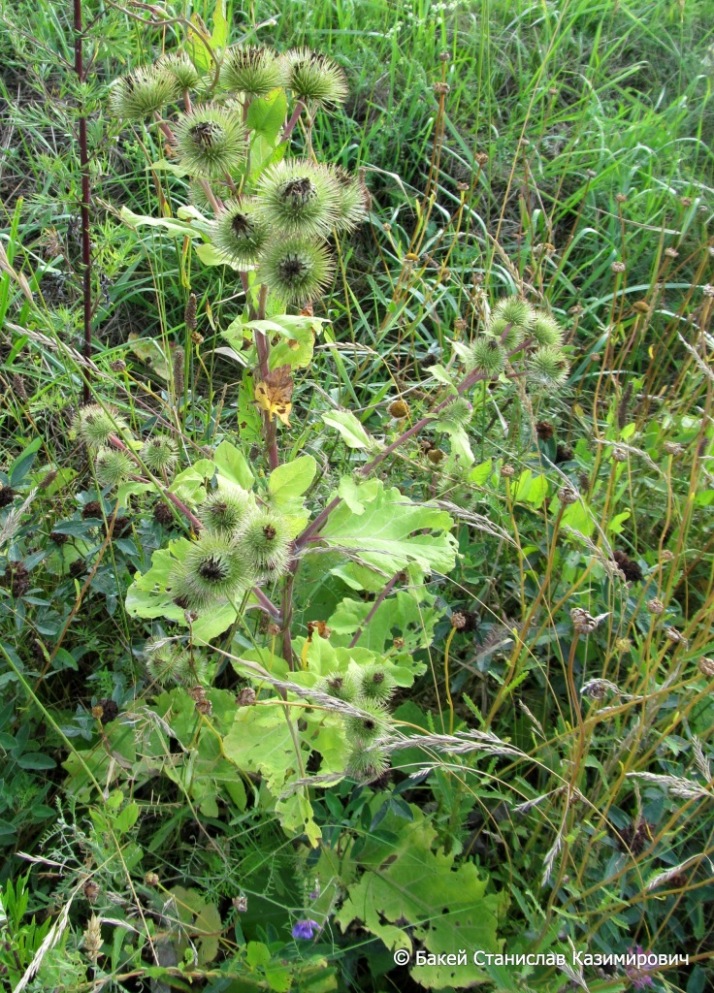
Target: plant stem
(86, 201)
(262, 346)
(294, 118)
(466, 383)
(374, 608)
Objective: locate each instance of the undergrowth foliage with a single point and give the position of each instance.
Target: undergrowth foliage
(361, 622)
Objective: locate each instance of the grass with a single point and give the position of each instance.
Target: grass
(568, 158)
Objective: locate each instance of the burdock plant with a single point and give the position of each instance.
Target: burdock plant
(142, 93)
(226, 511)
(251, 70)
(160, 453)
(210, 140)
(295, 269)
(265, 544)
(212, 570)
(96, 425)
(299, 198)
(314, 78)
(239, 232)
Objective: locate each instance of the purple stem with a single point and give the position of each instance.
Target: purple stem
(86, 202)
(375, 607)
(294, 118)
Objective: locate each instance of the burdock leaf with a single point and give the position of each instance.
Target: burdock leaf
(411, 883)
(392, 532)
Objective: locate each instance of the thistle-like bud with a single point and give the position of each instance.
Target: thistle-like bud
(366, 764)
(295, 269)
(170, 662)
(181, 69)
(299, 198)
(142, 93)
(376, 683)
(160, 453)
(112, 466)
(314, 78)
(226, 511)
(239, 232)
(546, 330)
(252, 70)
(514, 311)
(370, 728)
(210, 141)
(548, 366)
(487, 355)
(509, 335)
(353, 200)
(213, 569)
(341, 685)
(95, 425)
(457, 414)
(265, 543)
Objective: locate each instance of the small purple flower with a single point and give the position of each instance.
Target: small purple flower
(639, 975)
(305, 930)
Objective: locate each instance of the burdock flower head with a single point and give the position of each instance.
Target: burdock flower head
(370, 728)
(239, 233)
(252, 70)
(487, 355)
(546, 330)
(181, 69)
(171, 662)
(353, 200)
(226, 511)
(142, 93)
(510, 320)
(548, 366)
(160, 453)
(295, 269)
(212, 570)
(112, 466)
(299, 198)
(95, 425)
(315, 79)
(265, 544)
(210, 140)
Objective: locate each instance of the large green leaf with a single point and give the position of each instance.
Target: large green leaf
(445, 906)
(261, 742)
(408, 615)
(352, 430)
(389, 535)
(266, 115)
(180, 229)
(233, 466)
